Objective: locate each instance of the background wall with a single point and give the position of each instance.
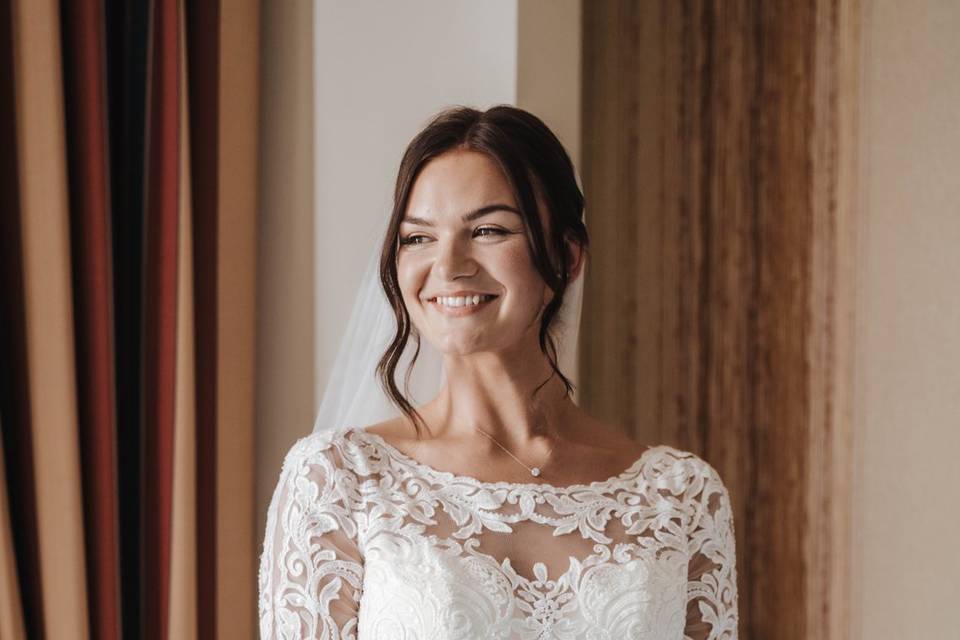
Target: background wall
(908, 338)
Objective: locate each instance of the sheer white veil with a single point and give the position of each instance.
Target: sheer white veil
(354, 397)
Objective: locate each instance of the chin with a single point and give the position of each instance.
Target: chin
(460, 348)
(461, 345)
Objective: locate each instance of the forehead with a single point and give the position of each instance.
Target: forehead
(458, 181)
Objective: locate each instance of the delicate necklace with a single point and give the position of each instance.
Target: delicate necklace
(534, 471)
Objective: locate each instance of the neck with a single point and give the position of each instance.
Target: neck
(493, 392)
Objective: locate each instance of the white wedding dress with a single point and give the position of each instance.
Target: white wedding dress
(365, 542)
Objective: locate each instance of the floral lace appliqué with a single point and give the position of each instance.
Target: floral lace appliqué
(364, 542)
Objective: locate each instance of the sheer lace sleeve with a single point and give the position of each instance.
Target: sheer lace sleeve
(712, 573)
(311, 570)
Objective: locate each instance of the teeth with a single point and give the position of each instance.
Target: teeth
(462, 301)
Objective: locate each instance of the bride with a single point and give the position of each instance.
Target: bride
(495, 507)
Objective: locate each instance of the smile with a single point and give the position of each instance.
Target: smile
(461, 305)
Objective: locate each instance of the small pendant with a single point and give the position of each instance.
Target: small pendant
(535, 471)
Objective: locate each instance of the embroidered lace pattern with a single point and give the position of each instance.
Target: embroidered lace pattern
(363, 542)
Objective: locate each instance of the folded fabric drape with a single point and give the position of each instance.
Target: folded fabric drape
(127, 289)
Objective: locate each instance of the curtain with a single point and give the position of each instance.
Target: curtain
(128, 177)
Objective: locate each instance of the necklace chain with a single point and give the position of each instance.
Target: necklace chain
(534, 471)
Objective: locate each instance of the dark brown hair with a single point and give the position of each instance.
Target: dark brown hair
(535, 164)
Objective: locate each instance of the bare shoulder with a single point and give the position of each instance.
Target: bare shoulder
(396, 431)
(621, 447)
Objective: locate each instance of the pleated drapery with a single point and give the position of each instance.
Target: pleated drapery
(128, 167)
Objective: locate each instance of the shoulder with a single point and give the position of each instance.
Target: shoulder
(682, 473)
(316, 488)
(312, 445)
(331, 455)
(310, 449)
(323, 444)
(692, 488)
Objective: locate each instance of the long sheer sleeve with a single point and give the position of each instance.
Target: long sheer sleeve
(712, 572)
(311, 570)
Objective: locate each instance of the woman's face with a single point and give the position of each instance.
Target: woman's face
(463, 237)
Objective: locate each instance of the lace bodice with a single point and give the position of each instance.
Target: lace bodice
(364, 542)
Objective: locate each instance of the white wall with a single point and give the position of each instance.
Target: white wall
(907, 523)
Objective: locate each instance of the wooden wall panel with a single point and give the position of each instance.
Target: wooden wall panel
(837, 223)
(717, 143)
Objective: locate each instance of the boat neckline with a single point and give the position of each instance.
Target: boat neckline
(448, 476)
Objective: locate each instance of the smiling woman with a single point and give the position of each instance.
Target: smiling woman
(498, 508)
(495, 193)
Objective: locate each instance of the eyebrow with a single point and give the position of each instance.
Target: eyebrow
(467, 217)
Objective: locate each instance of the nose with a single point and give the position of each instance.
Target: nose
(454, 260)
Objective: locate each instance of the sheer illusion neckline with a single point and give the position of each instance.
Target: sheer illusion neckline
(448, 476)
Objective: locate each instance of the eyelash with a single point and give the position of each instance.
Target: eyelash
(410, 240)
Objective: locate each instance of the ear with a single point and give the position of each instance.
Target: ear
(577, 257)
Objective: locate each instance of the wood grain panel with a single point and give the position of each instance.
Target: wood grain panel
(716, 157)
(837, 224)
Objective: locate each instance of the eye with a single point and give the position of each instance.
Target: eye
(412, 239)
(493, 231)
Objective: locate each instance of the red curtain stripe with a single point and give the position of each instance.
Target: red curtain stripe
(203, 43)
(160, 310)
(86, 113)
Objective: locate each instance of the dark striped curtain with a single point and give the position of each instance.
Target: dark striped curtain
(128, 173)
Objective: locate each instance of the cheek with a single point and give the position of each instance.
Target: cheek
(520, 274)
(410, 277)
